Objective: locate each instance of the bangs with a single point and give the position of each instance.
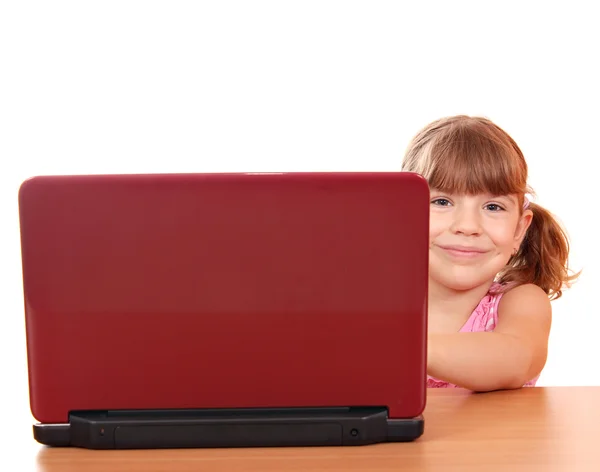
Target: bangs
(469, 160)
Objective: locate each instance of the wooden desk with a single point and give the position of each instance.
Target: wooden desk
(545, 429)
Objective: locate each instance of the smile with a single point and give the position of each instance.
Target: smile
(463, 252)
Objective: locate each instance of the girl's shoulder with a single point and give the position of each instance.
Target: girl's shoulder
(485, 315)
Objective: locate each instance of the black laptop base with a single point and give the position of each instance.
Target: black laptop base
(160, 429)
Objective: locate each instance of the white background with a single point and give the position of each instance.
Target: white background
(121, 86)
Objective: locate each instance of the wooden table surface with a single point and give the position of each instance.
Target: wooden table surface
(546, 429)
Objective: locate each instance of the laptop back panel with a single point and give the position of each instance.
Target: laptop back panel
(225, 291)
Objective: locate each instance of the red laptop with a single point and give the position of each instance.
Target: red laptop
(225, 310)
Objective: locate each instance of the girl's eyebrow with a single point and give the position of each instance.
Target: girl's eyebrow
(507, 198)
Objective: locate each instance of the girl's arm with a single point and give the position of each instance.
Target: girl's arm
(504, 359)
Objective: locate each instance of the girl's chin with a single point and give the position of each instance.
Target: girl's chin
(461, 284)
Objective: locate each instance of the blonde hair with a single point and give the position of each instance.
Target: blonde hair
(471, 155)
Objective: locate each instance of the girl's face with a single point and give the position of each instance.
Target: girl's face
(471, 238)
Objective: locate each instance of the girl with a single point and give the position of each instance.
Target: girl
(496, 260)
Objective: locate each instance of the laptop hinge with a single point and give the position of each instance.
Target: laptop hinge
(228, 428)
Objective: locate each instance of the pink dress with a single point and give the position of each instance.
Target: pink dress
(483, 319)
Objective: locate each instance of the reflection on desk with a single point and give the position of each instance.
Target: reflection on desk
(549, 429)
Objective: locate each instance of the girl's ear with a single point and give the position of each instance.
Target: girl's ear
(523, 225)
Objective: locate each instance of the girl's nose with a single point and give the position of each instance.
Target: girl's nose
(466, 221)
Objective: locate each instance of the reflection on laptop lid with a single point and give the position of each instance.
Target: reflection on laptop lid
(223, 310)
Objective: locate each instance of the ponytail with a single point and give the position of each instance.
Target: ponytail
(543, 256)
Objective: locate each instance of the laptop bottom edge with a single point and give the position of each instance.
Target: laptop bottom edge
(288, 427)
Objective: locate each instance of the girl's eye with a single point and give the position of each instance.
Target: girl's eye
(441, 202)
(494, 207)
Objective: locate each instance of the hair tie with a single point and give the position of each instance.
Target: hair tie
(525, 203)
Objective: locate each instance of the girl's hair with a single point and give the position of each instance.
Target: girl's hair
(471, 155)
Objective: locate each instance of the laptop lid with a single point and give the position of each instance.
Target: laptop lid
(225, 292)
